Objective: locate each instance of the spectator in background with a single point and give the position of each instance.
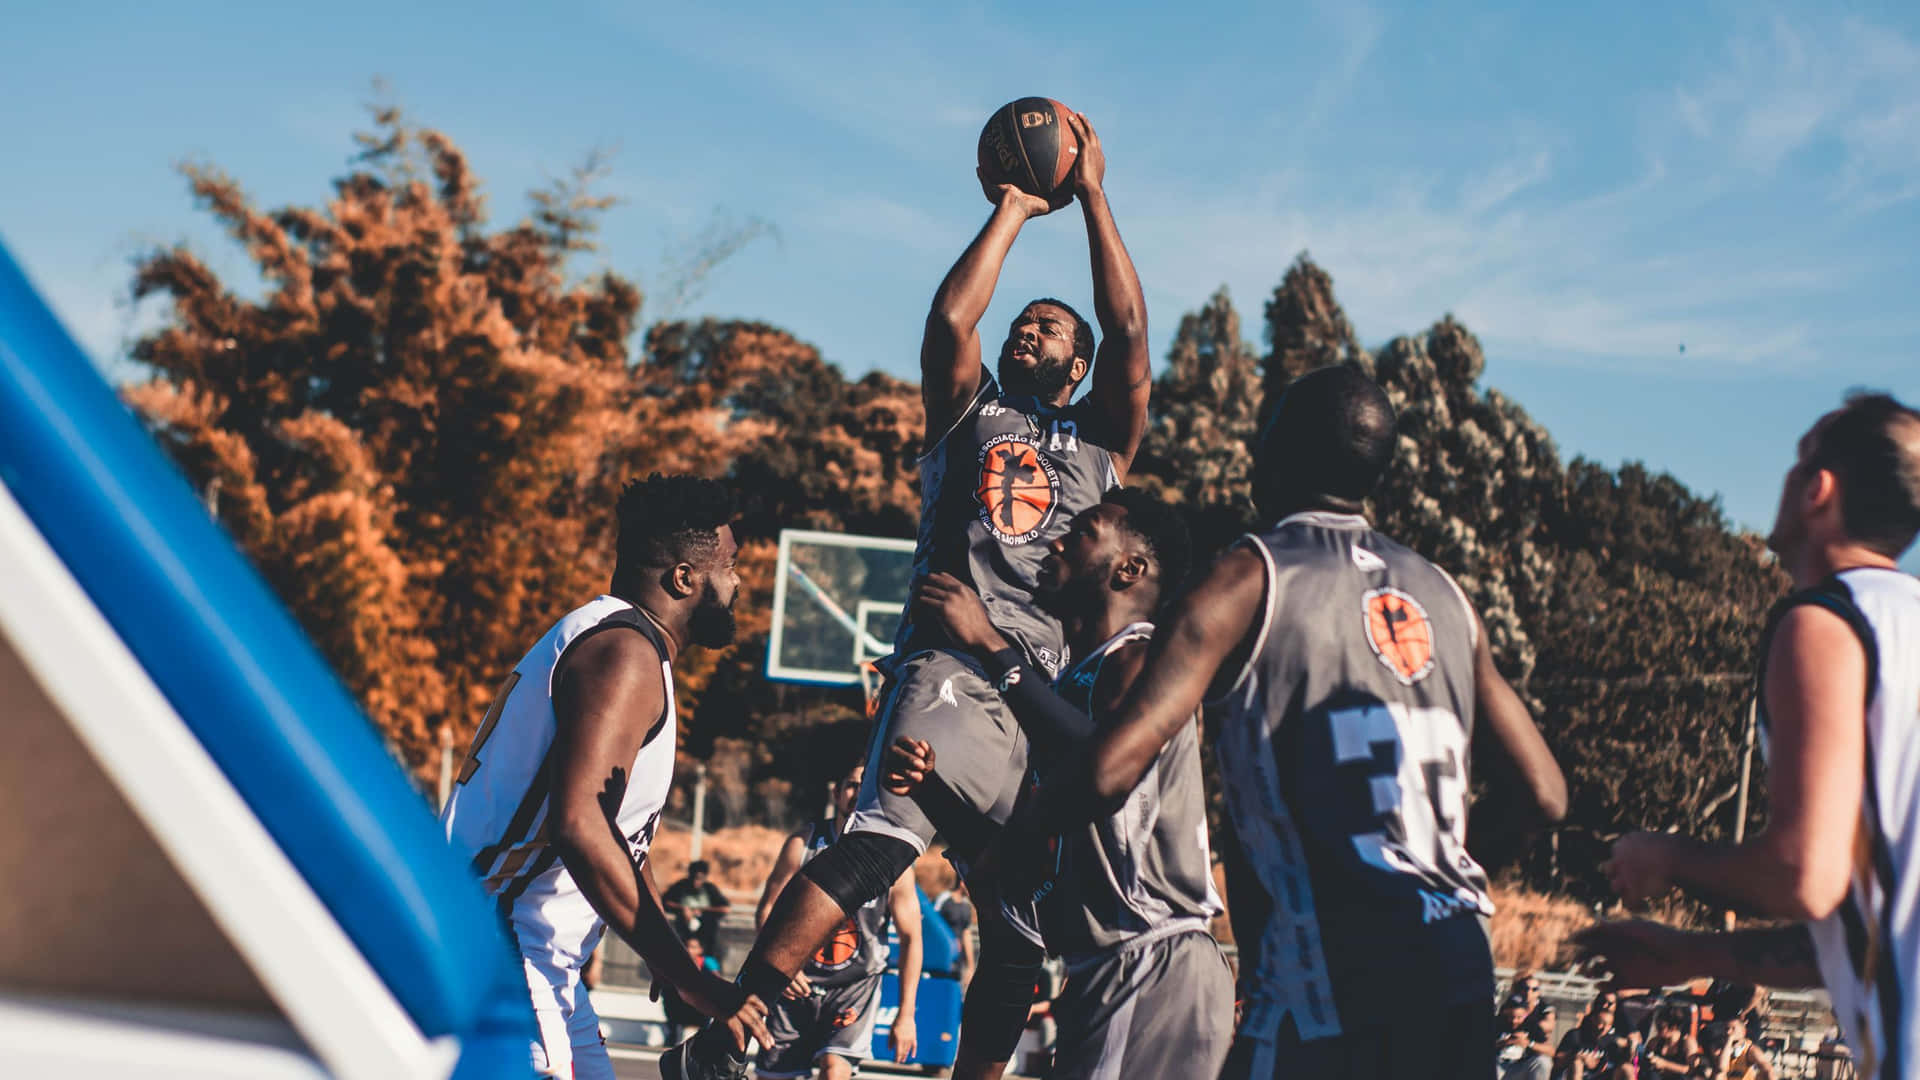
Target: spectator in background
(680, 1015)
(1669, 1051)
(1730, 1055)
(1523, 1039)
(958, 914)
(697, 906)
(1582, 1053)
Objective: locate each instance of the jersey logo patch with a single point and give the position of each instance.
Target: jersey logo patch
(946, 693)
(1367, 560)
(1400, 633)
(1018, 489)
(841, 948)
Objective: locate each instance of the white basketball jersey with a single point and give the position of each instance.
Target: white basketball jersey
(498, 814)
(1869, 948)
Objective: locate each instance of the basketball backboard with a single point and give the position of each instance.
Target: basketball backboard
(837, 600)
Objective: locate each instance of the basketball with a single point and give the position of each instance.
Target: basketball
(1029, 144)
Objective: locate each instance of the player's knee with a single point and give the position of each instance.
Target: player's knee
(859, 867)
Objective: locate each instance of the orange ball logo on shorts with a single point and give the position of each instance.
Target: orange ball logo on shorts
(1018, 489)
(1400, 633)
(841, 948)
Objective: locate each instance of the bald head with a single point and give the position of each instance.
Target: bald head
(1872, 445)
(1328, 443)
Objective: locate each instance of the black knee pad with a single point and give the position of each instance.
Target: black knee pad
(1003, 989)
(859, 867)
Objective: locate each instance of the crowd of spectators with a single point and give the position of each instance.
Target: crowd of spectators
(1634, 1035)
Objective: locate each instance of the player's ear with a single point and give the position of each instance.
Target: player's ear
(1131, 570)
(1079, 368)
(682, 580)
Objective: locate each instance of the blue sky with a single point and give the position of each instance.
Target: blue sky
(1588, 187)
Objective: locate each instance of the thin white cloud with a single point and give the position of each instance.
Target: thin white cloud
(1785, 87)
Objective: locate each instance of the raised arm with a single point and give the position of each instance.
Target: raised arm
(1503, 717)
(950, 348)
(608, 697)
(1121, 383)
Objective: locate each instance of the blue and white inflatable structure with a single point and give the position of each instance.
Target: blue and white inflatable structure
(209, 864)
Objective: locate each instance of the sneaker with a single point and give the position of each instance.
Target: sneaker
(680, 1063)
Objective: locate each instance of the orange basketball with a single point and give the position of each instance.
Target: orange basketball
(840, 949)
(1016, 491)
(1400, 633)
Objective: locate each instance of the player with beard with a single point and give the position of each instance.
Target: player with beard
(560, 793)
(1126, 900)
(1010, 459)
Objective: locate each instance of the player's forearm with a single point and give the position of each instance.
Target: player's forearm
(1058, 730)
(1756, 876)
(1773, 956)
(967, 289)
(614, 889)
(910, 964)
(1119, 305)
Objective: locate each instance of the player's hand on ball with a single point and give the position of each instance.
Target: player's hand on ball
(1641, 867)
(909, 763)
(905, 1038)
(1090, 168)
(943, 599)
(1011, 197)
(744, 1015)
(1636, 954)
(798, 988)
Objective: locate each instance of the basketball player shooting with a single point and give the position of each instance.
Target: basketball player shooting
(1010, 459)
(560, 794)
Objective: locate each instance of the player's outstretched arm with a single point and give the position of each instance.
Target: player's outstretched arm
(1504, 718)
(608, 694)
(1121, 380)
(950, 348)
(903, 903)
(1799, 866)
(1210, 623)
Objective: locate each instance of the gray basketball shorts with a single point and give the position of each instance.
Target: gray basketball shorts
(979, 751)
(1163, 1007)
(834, 1020)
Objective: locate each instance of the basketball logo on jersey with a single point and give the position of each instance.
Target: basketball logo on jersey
(841, 948)
(1400, 633)
(1018, 489)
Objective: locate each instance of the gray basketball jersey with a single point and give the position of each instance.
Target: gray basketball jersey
(858, 947)
(1345, 763)
(1001, 484)
(1144, 869)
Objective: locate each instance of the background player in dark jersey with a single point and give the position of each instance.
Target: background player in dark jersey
(1009, 460)
(1126, 900)
(1351, 672)
(827, 1016)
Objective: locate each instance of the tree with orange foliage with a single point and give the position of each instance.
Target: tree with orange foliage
(418, 430)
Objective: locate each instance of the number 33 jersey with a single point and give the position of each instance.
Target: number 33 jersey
(499, 811)
(1344, 757)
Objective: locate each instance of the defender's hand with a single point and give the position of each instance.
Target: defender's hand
(905, 1038)
(799, 988)
(1018, 201)
(1637, 954)
(747, 1021)
(942, 599)
(1641, 867)
(1089, 173)
(909, 764)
